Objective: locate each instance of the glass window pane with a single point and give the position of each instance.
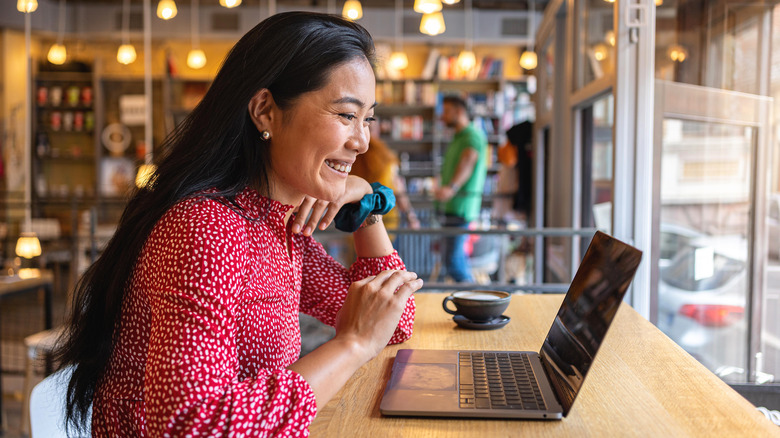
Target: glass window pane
(594, 41)
(705, 223)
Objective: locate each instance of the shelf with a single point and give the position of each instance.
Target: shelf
(67, 158)
(64, 76)
(403, 108)
(65, 108)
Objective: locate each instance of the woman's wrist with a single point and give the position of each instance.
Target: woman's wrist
(371, 220)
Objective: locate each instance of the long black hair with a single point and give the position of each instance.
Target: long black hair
(216, 146)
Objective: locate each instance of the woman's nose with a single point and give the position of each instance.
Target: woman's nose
(359, 140)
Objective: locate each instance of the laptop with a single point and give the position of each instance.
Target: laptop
(521, 384)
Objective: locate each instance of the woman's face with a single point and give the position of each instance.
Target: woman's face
(316, 140)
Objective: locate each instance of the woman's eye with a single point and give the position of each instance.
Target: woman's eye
(349, 117)
(370, 119)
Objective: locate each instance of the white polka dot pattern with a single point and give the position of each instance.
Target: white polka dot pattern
(210, 322)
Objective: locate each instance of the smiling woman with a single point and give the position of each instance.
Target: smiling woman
(188, 322)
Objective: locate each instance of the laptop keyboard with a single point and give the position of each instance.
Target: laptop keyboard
(498, 381)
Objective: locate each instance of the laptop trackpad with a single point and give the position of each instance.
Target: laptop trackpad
(416, 387)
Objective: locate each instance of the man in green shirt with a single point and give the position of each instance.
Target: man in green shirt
(461, 183)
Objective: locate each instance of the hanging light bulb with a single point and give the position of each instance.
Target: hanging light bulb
(27, 6)
(398, 61)
(126, 54)
(427, 6)
(28, 245)
(166, 9)
(353, 10)
(600, 51)
(609, 37)
(528, 60)
(432, 24)
(229, 3)
(467, 60)
(659, 2)
(677, 53)
(450, 2)
(196, 59)
(57, 54)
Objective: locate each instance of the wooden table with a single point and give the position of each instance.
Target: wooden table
(641, 384)
(11, 286)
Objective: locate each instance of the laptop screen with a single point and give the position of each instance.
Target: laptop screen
(586, 313)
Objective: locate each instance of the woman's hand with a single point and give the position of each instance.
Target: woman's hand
(373, 308)
(323, 212)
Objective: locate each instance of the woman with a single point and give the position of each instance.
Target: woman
(188, 323)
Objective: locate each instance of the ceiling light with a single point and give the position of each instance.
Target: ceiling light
(466, 60)
(432, 24)
(28, 245)
(399, 60)
(126, 54)
(166, 9)
(450, 2)
(353, 10)
(57, 54)
(677, 53)
(609, 37)
(600, 51)
(196, 59)
(229, 3)
(528, 60)
(427, 6)
(27, 6)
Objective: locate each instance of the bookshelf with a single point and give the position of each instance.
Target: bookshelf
(408, 115)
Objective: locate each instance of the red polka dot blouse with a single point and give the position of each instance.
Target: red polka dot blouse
(210, 322)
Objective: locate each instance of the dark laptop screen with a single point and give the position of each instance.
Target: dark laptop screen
(586, 313)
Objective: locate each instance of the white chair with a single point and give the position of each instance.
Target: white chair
(47, 406)
(38, 345)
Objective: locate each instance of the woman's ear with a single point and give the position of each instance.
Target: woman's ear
(261, 108)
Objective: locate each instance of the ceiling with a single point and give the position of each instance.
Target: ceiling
(478, 4)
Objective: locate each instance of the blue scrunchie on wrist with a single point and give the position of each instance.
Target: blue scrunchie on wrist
(351, 216)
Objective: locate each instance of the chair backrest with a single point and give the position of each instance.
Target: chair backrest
(47, 406)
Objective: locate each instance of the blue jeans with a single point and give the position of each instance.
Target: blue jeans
(454, 251)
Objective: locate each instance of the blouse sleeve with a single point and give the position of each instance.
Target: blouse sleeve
(193, 269)
(325, 283)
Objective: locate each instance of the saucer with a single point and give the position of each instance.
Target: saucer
(495, 323)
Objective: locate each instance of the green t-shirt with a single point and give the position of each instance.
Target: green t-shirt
(468, 201)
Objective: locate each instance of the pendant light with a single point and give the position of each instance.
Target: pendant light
(27, 6)
(126, 53)
(166, 9)
(467, 60)
(432, 24)
(398, 59)
(57, 54)
(450, 2)
(353, 10)
(229, 3)
(28, 245)
(196, 58)
(427, 6)
(528, 59)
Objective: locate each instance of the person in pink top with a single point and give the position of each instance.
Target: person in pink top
(187, 325)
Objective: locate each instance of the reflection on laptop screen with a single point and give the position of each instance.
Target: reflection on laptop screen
(586, 313)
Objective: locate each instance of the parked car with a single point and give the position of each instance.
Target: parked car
(701, 299)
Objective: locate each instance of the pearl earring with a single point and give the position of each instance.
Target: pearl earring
(265, 135)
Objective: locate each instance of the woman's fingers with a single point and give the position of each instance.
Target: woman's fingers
(316, 213)
(302, 214)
